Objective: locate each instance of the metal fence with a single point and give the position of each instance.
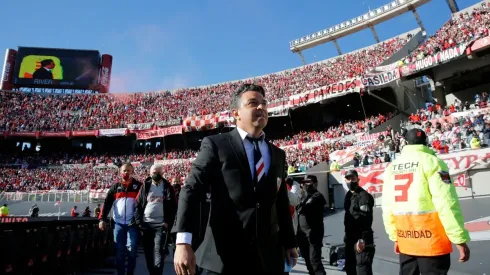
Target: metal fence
(51, 196)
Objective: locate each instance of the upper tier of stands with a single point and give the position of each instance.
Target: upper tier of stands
(464, 26)
(36, 112)
(41, 112)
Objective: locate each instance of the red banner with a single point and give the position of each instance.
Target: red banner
(433, 60)
(55, 134)
(148, 134)
(105, 73)
(479, 45)
(24, 134)
(371, 177)
(86, 133)
(8, 70)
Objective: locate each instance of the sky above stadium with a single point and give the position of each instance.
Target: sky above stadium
(169, 44)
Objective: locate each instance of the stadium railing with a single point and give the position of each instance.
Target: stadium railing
(52, 246)
(48, 196)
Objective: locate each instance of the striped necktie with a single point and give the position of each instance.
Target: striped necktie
(259, 165)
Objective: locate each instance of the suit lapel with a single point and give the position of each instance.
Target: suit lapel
(239, 150)
(272, 167)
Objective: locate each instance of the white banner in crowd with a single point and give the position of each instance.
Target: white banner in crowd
(371, 177)
(172, 161)
(308, 145)
(380, 79)
(113, 132)
(370, 139)
(341, 88)
(140, 126)
(75, 166)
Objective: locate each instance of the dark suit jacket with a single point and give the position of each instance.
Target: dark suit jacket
(247, 230)
(42, 73)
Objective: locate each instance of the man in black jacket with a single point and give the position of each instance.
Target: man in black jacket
(311, 228)
(250, 230)
(358, 220)
(156, 207)
(122, 198)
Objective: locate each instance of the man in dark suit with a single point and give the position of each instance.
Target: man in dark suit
(45, 71)
(249, 230)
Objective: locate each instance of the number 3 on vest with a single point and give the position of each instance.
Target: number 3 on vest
(402, 183)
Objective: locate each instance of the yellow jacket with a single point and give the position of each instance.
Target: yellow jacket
(334, 166)
(4, 211)
(420, 205)
(475, 143)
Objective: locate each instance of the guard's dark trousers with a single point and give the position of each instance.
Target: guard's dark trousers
(153, 245)
(311, 250)
(358, 263)
(415, 265)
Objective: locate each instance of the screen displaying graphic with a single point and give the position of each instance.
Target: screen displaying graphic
(43, 67)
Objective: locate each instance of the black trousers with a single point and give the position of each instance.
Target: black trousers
(312, 253)
(153, 245)
(415, 265)
(238, 272)
(358, 263)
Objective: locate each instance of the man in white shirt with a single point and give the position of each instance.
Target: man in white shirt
(250, 230)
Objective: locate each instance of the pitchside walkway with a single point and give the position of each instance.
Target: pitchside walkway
(169, 267)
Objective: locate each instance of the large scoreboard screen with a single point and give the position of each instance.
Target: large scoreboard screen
(56, 68)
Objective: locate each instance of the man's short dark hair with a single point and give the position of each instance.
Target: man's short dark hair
(235, 99)
(128, 164)
(46, 62)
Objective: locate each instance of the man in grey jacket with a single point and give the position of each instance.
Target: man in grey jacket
(156, 206)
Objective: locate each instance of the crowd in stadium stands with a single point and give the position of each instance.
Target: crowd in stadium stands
(40, 112)
(14, 179)
(459, 132)
(435, 111)
(460, 29)
(83, 178)
(88, 158)
(471, 131)
(344, 129)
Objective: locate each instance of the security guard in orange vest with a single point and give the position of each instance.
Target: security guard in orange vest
(421, 211)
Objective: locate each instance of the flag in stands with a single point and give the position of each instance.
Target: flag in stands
(57, 203)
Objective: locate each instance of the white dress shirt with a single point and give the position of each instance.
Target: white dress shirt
(186, 237)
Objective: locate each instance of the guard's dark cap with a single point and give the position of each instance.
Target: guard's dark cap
(310, 178)
(416, 136)
(351, 173)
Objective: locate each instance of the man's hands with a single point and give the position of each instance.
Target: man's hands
(464, 252)
(292, 256)
(102, 225)
(396, 249)
(184, 260)
(360, 246)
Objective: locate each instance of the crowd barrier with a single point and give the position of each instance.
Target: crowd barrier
(75, 196)
(52, 246)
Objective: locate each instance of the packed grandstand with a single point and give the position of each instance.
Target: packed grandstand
(26, 117)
